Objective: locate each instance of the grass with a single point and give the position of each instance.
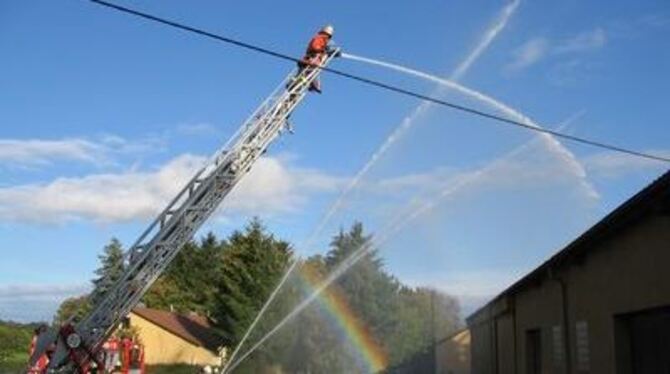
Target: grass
(15, 363)
(14, 343)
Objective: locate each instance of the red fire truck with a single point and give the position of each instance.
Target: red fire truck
(117, 356)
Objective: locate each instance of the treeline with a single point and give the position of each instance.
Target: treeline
(229, 280)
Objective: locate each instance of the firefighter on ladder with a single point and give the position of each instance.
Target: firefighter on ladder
(317, 50)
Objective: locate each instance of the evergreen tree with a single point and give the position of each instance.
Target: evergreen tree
(110, 270)
(318, 345)
(189, 283)
(371, 292)
(253, 263)
(423, 316)
(230, 280)
(403, 320)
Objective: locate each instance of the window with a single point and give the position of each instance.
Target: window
(583, 354)
(533, 351)
(558, 348)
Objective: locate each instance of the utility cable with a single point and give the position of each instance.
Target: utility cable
(383, 85)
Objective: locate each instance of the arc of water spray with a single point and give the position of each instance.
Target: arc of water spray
(398, 223)
(332, 277)
(401, 220)
(490, 35)
(260, 313)
(347, 264)
(454, 186)
(552, 144)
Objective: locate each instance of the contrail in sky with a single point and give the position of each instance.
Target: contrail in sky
(487, 39)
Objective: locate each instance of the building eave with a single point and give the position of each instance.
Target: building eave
(653, 198)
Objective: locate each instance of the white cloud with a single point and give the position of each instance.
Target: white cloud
(273, 186)
(481, 283)
(116, 145)
(514, 171)
(615, 164)
(656, 20)
(529, 53)
(198, 129)
(32, 291)
(43, 152)
(535, 49)
(25, 311)
(570, 72)
(585, 41)
(35, 302)
(100, 197)
(472, 288)
(527, 165)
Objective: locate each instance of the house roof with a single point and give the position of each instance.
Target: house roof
(192, 328)
(654, 197)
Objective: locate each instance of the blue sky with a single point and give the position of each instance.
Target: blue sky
(103, 116)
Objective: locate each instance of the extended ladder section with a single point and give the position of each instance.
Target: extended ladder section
(176, 225)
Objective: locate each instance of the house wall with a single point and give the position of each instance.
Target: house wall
(627, 273)
(164, 347)
(505, 342)
(453, 354)
(539, 307)
(482, 347)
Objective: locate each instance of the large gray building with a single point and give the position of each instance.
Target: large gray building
(600, 305)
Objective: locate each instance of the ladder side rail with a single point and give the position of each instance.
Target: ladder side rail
(243, 130)
(138, 266)
(120, 292)
(298, 92)
(170, 207)
(141, 241)
(217, 158)
(169, 250)
(101, 323)
(162, 254)
(202, 200)
(278, 123)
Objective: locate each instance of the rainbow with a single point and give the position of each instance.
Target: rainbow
(334, 303)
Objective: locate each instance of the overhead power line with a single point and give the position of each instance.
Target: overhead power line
(382, 85)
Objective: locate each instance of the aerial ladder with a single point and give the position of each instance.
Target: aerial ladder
(72, 347)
